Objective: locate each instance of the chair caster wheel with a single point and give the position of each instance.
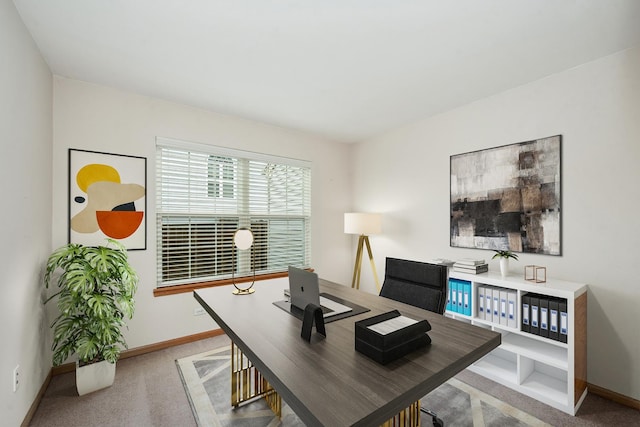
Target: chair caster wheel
(437, 422)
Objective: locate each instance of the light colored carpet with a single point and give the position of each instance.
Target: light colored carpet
(148, 392)
(206, 378)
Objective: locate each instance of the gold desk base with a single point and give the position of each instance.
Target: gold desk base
(409, 417)
(247, 383)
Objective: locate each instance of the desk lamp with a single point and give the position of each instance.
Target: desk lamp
(243, 240)
(363, 224)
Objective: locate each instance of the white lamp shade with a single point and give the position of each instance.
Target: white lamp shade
(362, 223)
(243, 238)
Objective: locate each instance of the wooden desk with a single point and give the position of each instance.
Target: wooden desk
(326, 382)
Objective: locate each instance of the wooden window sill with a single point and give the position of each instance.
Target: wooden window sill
(190, 287)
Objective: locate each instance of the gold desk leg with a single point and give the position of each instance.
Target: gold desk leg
(248, 383)
(408, 417)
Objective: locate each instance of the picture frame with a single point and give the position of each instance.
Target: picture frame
(508, 197)
(107, 199)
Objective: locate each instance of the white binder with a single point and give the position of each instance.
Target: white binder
(488, 307)
(503, 307)
(512, 309)
(496, 305)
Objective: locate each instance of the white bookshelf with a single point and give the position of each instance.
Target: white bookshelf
(550, 371)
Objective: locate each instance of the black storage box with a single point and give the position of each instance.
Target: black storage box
(389, 347)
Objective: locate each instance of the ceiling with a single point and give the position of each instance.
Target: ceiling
(343, 69)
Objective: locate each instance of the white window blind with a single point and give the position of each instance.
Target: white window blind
(205, 193)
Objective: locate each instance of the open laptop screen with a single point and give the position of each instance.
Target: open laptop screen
(304, 289)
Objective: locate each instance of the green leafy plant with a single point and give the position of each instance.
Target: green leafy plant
(96, 292)
(505, 254)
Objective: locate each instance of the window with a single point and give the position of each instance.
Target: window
(205, 193)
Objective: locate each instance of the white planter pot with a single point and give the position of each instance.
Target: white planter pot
(94, 376)
(504, 266)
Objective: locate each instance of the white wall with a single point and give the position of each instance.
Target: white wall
(92, 117)
(403, 174)
(596, 108)
(25, 173)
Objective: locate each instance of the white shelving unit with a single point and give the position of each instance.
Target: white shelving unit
(550, 371)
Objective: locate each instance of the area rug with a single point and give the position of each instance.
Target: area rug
(206, 379)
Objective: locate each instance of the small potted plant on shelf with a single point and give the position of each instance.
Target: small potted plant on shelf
(95, 293)
(504, 260)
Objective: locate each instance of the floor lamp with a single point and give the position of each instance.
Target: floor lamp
(363, 224)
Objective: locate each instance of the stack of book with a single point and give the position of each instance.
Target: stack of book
(471, 266)
(441, 261)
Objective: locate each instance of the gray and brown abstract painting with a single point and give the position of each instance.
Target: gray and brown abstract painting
(508, 198)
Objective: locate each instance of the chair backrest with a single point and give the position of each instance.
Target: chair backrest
(416, 283)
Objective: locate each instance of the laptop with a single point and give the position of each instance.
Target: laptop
(304, 289)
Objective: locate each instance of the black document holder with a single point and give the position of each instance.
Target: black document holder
(312, 314)
(387, 348)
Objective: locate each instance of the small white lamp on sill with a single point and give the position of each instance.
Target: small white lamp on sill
(363, 224)
(243, 240)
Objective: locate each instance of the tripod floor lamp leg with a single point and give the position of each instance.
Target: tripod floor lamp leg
(373, 265)
(355, 283)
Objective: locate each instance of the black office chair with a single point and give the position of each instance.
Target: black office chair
(419, 284)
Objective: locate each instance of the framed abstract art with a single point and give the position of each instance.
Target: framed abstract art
(508, 198)
(107, 199)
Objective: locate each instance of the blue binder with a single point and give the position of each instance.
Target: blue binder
(466, 297)
(453, 287)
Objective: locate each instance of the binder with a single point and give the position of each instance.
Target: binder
(544, 316)
(534, 327)
(553, 319)
(496, 305)
(503, 307)
(512, 309)
(454, 295)
(525, 312)
(488, 310)
(481, 297)
(448, 307)
(564, 320)
(466, 298)
(460, 297)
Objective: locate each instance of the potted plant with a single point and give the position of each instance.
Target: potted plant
(95, 293)
(504, 260)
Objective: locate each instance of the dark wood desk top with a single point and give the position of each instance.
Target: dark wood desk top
(326, 382)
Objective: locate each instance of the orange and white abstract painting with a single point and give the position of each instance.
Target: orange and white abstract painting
(107, 198)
